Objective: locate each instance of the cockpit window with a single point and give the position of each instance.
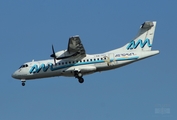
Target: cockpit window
(23, 66)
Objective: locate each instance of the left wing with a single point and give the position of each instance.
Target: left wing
(75, 46)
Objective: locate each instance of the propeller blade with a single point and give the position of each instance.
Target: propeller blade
(53, 55)
(55, 61)
(53, 50)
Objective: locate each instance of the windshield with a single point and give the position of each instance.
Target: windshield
(23, 66)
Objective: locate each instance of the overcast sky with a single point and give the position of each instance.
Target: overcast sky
(145, 90)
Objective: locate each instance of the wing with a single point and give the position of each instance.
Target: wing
(75, 46)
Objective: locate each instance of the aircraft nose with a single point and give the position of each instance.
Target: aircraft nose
(14, 75)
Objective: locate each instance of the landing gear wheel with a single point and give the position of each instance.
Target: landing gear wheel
(81, 80)
(77, 74)
(23, 84)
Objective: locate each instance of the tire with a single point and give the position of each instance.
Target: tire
(23, 84)
(81, 80)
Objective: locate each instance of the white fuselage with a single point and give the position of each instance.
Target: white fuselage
(74, 62)
(87, 65)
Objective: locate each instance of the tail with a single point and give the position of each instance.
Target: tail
(143, 41)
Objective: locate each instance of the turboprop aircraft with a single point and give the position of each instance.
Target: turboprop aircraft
(74, 62)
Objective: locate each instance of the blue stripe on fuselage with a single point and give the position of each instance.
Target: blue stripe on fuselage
(35, 68)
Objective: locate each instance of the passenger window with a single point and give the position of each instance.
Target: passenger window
(101, 58)
(58, 63)
(73, 61)
(97, 58)
(80, 60)
(90, 59)
(84, 60)
(62, 63)
(87, 60)
(69, 62)
(65, 62)
(94, 59)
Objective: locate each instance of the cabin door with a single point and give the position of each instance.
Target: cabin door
(111, 59)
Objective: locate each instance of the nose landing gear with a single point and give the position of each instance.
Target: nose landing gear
(23, 82)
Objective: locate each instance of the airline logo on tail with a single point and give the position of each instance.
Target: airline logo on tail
(134, 45)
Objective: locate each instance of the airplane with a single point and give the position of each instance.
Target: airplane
(74, 62)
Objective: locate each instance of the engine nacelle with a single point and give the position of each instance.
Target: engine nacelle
(62, 54)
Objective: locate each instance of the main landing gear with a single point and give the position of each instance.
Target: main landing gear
(79, 75)
(81, 80)
(23, 82)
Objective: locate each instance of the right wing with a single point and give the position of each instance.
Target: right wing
(75, 48)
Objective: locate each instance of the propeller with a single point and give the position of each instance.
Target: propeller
(53, 55)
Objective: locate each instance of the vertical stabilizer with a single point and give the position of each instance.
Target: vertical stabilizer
(143, 41)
